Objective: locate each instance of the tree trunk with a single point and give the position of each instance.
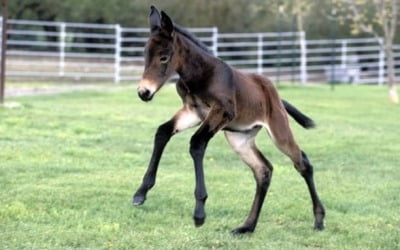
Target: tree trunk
(393, 96)
(299, 20)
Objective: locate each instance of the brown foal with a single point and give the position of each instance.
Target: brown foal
(218, 97)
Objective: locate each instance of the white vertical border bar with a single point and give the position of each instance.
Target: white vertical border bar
(62, 35)
(1, 29)
(215, 41)
(259, 53)
(344, 54)
(381, 64)
(117, 55)
(303, 58)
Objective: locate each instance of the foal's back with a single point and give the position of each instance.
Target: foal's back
(256, 98)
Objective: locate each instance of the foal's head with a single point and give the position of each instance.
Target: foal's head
(159, 55)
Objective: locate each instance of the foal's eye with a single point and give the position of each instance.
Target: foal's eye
(164, 59)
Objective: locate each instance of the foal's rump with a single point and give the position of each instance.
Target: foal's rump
(259, 95)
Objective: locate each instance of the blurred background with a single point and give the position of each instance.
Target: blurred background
(313, 16)
(303, 41)
(69, 163)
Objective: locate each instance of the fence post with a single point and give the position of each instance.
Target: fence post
(62, 49)
(259, 53)
(215, 40)
(292, 56)
(303, 58)
(117, 54)
(3, 53)
(381, 64)
(344, 54)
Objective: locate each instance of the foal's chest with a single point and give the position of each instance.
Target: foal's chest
(196, 100)
(198, 104)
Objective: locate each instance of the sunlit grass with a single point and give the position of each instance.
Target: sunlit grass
(70, 163)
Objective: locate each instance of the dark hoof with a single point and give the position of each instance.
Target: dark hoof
(138, 200)
(198, 222)
(319, 226)
(242, 230)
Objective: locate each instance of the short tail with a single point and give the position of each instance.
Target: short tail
(302, 119)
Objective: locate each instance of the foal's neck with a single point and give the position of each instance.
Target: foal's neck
(195, 66)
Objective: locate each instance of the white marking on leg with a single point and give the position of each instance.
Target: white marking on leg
(244, 145)
(271, 135)
(185, 120)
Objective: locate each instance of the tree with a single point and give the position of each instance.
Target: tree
(299, 9)
(379, 18)
(45, 10)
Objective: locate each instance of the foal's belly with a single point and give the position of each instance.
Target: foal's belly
(241, 123)
(237, 127)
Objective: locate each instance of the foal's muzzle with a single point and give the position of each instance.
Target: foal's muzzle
(145, 94)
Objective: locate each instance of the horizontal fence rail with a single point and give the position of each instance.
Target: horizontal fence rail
(83, 52)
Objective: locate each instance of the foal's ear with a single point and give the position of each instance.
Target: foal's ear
(167, 25)
(154, 20)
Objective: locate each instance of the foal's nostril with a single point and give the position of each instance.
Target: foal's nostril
(144, 94)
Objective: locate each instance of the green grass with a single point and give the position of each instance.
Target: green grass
(70, 163)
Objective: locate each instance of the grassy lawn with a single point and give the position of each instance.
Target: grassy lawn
(70, 163)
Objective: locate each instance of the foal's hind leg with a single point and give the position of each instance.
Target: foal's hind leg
(244, 145)
(319, 211)
(284, 140)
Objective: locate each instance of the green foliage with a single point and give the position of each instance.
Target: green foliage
(227, 15)
(70, 164)
(366, 15)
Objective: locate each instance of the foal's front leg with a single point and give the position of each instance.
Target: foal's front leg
(183, 119)
(163, 134)
(216, 119)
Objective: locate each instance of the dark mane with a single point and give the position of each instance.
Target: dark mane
(191, 37)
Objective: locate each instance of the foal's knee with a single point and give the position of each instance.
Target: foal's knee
(265, 178)
(198, 143)
(304, 166)
(196, 148)
(164, 132)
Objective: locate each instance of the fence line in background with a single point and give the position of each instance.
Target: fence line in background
(78, 51)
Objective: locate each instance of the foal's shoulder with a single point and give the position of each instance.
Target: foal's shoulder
(181, 88)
